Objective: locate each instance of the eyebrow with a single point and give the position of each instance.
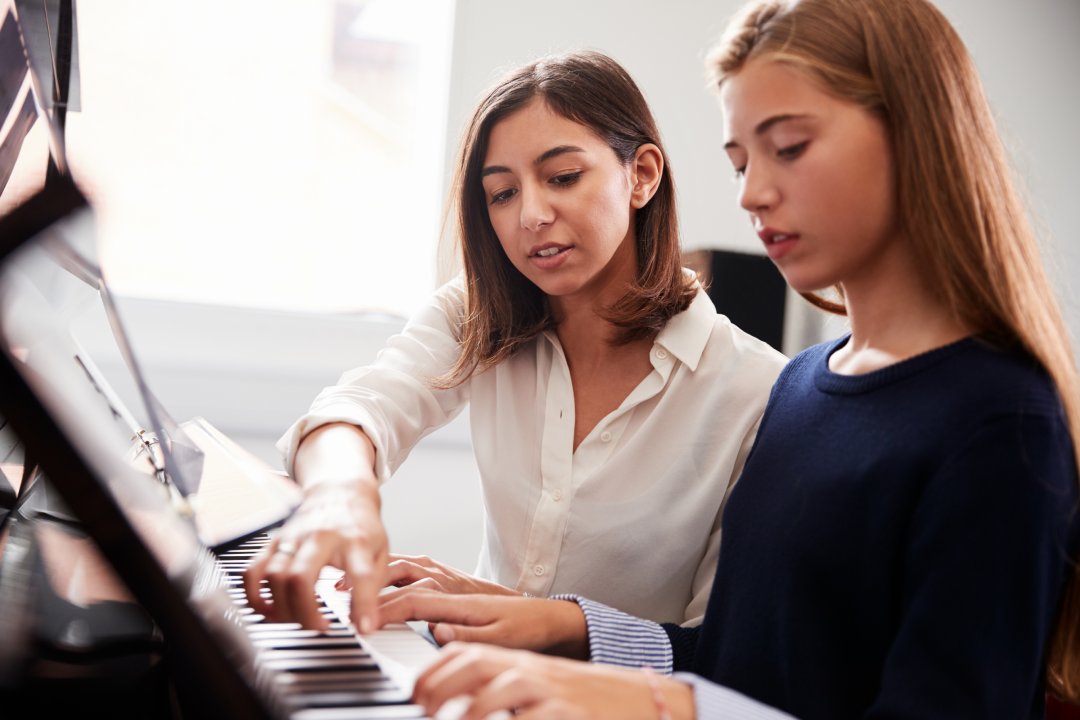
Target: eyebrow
(544, 157)
(764, 125)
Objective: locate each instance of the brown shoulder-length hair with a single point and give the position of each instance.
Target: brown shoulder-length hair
(902, 60)
(503, 309)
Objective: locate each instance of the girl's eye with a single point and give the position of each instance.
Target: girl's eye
(792, 151)
(566, 179)
(739, 172)
(503, 196)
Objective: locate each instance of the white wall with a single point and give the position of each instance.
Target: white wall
(251, 372)
(1026, 51)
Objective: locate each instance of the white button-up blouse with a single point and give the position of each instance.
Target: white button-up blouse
(632, 517)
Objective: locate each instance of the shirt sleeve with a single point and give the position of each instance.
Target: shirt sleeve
(616, 638)
(392, 399)
(716, 702)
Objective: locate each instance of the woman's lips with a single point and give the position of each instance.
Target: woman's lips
(549, 257)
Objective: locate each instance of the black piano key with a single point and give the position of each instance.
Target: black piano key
(269, 632)
(298, 665)
(376, 712)
(313, 643)
(333, 682)
(347, 699)
(325, 654)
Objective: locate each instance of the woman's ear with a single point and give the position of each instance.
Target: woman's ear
(647, 169)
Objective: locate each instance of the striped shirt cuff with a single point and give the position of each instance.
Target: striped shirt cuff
(716, 702)
(616, 638)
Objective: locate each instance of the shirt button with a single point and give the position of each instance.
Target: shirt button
(556, 495)
(538, 570)
(661, 353)
(605, 436)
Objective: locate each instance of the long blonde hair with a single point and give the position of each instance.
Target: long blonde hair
(902, 60)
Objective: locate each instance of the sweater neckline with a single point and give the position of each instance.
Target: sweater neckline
(828, 381)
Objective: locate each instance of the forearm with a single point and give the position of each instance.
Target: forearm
(337, 456)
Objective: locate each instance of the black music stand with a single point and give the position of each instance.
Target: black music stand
(751, 292)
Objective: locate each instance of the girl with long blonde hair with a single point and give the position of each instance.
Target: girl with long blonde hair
(903, 539)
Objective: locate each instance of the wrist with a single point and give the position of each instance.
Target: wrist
(678, 698)
(364, 487)
(569, 634)
(658, 697)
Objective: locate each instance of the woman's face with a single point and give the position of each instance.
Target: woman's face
(816, 175)
(560, 202)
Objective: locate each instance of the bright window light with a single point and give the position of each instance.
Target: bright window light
(266, 153)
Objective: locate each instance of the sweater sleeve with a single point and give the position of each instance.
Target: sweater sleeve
(985, 565)
(683, 641)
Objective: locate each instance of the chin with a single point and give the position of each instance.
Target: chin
(556, 286)
(807, 283)
(558, 289)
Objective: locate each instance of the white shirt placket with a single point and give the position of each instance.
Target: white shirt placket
(562, 469)
(556, 475)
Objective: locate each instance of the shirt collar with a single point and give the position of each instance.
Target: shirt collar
(686, 334)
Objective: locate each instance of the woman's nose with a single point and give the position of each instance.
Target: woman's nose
(536, 211)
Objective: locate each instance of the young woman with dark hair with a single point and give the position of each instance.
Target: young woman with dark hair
(610, 405)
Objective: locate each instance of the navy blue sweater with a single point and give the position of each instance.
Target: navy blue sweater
(898, 542)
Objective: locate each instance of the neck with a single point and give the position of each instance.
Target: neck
(894, 315)
(581, 327)
(585, 336)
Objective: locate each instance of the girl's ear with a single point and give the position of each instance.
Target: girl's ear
(647, 168)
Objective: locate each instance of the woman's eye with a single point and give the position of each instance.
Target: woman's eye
(792, 151)
(739, 172)
(566, 179)
(503, 196)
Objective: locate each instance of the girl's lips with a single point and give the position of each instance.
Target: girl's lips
(780, 244)
(545, 261)
(777, 242)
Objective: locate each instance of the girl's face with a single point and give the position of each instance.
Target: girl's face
(815, 173)
(561, 203)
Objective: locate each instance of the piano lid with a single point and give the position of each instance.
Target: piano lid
(84, 447)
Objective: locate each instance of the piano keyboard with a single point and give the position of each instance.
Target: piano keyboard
(331, 675)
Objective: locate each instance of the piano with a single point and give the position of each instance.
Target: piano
(115, 547)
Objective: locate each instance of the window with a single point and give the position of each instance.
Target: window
(262, 152)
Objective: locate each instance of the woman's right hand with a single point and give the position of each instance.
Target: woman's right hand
(333, 526)
(338, 523)
(556, 627)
